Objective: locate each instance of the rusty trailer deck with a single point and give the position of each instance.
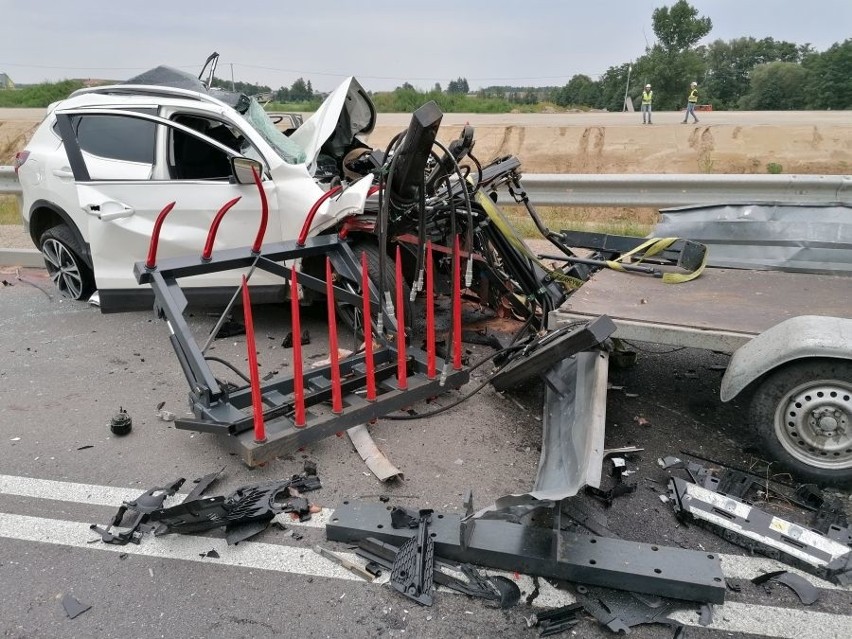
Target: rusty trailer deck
(721, 310)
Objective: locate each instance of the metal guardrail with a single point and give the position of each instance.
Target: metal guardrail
(9, 181)
(678, 189)
(655, 191)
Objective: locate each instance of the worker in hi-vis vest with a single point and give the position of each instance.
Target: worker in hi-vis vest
(691, 102)
(647, 99)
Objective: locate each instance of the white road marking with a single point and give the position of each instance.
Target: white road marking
(733, 617)
(733, 566)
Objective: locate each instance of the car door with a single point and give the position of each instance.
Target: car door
(129, 165)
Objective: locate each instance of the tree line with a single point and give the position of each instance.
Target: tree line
(743, 73)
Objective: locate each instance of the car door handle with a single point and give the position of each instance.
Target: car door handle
(63, 173)
(110, 210)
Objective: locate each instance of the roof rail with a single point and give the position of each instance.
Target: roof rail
(150, 90)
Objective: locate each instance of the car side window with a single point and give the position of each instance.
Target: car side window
(116, 147)
(116, 138)
(191, 158)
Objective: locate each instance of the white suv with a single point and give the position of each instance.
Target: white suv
(106, 160)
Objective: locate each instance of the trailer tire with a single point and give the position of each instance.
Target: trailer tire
(802, 412)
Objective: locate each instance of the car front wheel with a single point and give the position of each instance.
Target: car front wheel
(71, 275)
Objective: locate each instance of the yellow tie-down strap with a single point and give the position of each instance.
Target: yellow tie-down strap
(649, 249)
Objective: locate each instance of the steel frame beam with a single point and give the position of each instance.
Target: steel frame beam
(598, 561)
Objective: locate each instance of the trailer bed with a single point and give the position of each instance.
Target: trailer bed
(721, 310)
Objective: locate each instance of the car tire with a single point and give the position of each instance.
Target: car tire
(70, 274)
(803, 414)
(352, 316)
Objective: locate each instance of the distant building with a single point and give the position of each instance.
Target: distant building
(6, 82)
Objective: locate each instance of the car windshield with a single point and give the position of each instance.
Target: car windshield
(288, 150)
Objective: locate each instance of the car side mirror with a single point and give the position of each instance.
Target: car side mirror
(243, 169)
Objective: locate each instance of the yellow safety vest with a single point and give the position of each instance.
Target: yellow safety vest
(647, 96)
(693, 95)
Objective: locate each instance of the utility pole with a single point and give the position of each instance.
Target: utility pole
(626, 88)
(232, 78)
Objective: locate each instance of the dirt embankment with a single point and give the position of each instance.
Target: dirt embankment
(617, 143)
(14, 135)
(663, 148)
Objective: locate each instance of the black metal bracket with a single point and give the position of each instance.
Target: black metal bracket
(614, 563)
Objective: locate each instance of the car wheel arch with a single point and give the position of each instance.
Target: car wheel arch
(45, 215)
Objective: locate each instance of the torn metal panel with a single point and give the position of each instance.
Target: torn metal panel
(761, 532)
(572, 446)
(615, 563)
(786, 237)
(375, 459)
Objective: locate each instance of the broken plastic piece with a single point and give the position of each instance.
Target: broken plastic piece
(404, 518)
(558, 620)
(231, 329)
(669, 461)
(804, 589)
(415, 563)
(73, 608)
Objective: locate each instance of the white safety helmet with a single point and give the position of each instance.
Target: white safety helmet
(647, 86)
(694, 84)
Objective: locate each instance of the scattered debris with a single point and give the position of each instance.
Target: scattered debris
(86, 447)
(244, 513)
(231, 329)
(620, 610)
(73, 608)
(641, 421)
(624, 450)
(375, 459)
(165, 416)
(804, 589)
(669, 462)
(557, 620)
(121, 423)
(212, 554)
(288, 339)
(351, 566)
(140, 510)
(705, 614)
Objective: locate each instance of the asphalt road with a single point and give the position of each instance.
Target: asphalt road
(65, 369)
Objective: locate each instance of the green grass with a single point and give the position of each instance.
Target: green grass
(618, 221)
(10, 213)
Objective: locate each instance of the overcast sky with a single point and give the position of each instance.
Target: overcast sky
(382, 42)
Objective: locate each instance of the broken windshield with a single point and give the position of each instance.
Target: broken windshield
(286, 148)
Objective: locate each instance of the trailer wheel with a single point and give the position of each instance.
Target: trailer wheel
(803, 413)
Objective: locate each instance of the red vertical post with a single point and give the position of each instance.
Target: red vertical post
(256, 405)
(336, 391)
(298, 378)
(401, 363)
(368, 330)
(457, 323)
(430, 314)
